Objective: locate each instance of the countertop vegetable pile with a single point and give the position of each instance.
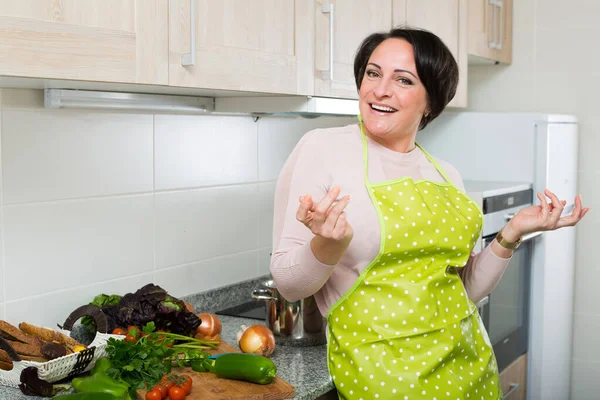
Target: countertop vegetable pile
(143, 363)
(150, 303)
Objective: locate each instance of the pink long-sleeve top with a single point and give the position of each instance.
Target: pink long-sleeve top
(325, 158)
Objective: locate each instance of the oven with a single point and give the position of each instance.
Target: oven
(505, 311)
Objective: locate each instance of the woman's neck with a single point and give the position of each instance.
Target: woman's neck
(403, 144)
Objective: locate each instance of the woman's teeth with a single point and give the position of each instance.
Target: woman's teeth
(383, 108)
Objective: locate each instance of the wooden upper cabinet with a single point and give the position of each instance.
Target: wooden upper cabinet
(351, 22)
(122, 41)
(258, 45)
(490, 30)
(448, 20)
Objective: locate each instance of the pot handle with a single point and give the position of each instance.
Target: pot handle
(262, 294)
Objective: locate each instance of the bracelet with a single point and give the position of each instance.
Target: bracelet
(505, 243)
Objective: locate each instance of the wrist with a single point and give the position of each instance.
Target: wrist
(510, 234)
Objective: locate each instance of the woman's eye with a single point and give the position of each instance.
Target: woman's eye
(372, 74)
(405, 81)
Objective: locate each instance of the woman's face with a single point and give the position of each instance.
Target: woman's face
(392, 99)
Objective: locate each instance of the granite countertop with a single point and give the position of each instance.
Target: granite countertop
(303, 367)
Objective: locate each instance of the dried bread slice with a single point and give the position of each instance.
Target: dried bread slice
(26, 349)
(11, 332)
(49, 335)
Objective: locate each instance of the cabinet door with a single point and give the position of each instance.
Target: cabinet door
(351, 22)
(448, 20)
(258, 45)
(490, 30)
(93, 40)
(514, 379)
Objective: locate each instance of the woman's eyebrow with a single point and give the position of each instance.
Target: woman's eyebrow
(396, 70)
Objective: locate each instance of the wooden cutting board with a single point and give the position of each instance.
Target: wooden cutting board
(206, 385)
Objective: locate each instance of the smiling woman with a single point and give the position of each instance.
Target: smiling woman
(393, 269)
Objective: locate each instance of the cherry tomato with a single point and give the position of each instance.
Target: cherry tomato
(177, 393)
(131, 339)
(164, 391)
(154, 395)
(119, 331)
(186, 383)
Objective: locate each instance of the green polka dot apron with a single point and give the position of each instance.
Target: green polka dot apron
(407, 329)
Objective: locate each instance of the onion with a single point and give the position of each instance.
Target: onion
(210, 326)
(256, 339)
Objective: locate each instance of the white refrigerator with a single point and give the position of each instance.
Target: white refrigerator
(541, 149)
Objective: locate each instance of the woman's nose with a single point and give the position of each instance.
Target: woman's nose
(383, 88)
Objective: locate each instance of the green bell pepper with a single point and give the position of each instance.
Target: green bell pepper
(87, 396)
(102, 365)
(101, 383)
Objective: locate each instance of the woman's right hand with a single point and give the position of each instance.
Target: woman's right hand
(326, 218)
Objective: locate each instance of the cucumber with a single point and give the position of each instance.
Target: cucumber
(245, 367)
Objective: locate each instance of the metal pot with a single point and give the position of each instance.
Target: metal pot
(294, 323)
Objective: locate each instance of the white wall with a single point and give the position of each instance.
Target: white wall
(97, 202)
(556, 68)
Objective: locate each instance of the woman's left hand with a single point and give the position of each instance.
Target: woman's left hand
(544, 217)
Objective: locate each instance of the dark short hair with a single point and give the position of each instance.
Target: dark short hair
(435, 64)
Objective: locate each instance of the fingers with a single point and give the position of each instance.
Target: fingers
(557, 208)
(327, 217)
(543, 204)
(335, 212)
(323, 206)
(304, 213)
(576, 216)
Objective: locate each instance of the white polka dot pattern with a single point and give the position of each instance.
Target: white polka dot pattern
(408, 327)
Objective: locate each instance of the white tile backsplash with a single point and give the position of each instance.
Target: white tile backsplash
(52, 246)
(266, 194)
(108, 202)
(50, 155)
(278, 137)
(204, 275)
(192, 151)
(53, 308)
(195, 225)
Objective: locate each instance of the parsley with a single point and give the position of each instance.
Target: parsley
(142, 364)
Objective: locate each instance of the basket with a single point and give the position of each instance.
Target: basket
(63, 367)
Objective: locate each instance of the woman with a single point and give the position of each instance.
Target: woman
(383, 268)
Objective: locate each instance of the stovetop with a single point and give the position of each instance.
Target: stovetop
(252, 309)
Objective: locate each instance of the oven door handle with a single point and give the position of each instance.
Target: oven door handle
(513, 388)
(531, 236)
(483, 301)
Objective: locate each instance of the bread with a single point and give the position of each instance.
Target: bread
(26, 349)
(49, 335)
(11, 332)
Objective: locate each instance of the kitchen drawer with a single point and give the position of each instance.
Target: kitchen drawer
(514, 379)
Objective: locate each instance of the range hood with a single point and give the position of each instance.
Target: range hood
(306, 106)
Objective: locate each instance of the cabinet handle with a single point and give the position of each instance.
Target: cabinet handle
(513, 388)
(496, 43)
(190, 58)
(327, 8)
(500, 5)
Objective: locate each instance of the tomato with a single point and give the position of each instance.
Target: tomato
(164, 391)
(131, 339)
(177, 393)
(119, 331)
(154, 395)
(186, 383)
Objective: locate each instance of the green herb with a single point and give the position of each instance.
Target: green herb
(144, 363)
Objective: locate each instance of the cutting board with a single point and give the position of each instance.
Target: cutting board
(206, 385)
